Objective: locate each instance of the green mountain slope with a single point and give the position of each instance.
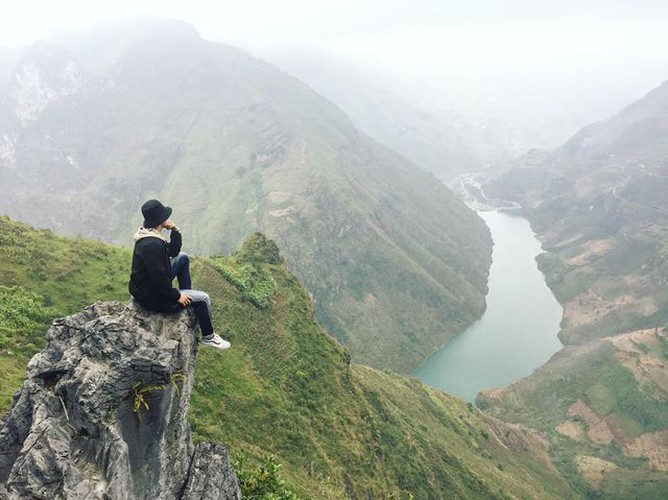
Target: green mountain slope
(603, 406)
(598, 204)
(340, 430)
(94, 124)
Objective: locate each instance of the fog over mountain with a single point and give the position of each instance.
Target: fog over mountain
(471, 117)
(460, 123)
(506, 77)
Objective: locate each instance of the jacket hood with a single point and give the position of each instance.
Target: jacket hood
(143, 232)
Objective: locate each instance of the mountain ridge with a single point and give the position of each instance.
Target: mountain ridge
(598, 206)
(236, 146)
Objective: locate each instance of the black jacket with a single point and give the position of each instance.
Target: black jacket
(151, 277)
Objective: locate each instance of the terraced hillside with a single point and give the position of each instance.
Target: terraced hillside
(603, 406)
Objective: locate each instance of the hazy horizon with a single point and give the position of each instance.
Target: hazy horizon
(535, 65)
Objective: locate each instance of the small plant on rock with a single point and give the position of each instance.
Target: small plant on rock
(139, 390)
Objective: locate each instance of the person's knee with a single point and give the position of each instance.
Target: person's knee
(181, 260)
(207, 300)
(199, 296)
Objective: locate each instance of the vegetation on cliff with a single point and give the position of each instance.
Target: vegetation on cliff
(289, 390)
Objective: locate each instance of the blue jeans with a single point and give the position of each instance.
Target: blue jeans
(181, 270)
(201, 301)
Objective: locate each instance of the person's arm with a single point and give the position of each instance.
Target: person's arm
(174, 238)
(157, 268)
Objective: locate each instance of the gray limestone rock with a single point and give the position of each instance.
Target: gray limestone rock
(103, 413)
(208, 479)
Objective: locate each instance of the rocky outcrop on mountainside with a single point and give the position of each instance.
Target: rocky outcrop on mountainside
(103, 413)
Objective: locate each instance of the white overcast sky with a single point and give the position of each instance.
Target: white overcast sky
(618, 45)
(487, 31)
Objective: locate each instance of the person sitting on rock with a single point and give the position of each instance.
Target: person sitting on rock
(156, 262)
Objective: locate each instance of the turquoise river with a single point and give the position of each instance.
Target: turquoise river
(518, 331)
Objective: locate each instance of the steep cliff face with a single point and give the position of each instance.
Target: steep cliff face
(103, 413)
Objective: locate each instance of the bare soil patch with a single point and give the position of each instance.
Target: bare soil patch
(653, 446)
(590, 307)
(638, 352)
(594, 469)
(597, 428)
(571, 429)
(494, 393)
(591, 249)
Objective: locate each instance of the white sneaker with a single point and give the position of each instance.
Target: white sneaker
(214, 340)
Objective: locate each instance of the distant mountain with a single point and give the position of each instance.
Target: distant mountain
(444, 146)
(449, 122)
(93, 124)
(637, 133)
(599, 206)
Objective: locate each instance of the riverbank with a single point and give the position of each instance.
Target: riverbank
(517, 333)
(469, 189)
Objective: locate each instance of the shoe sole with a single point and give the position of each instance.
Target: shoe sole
(222, 348)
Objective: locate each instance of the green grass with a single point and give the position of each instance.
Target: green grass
(24, 315)
(286, 389)
(43, 277)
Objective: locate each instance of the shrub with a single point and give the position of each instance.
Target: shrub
(259, 249)
(254, 282)
(23, 317)
(262, 482)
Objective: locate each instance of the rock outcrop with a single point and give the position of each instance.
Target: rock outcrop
(103, 413)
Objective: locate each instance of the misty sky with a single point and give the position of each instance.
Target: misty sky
(610, 50)
(469, 32)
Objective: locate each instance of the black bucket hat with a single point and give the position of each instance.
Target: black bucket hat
(155, 213)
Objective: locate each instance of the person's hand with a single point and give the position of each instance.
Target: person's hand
(169, 224)
(185, 300)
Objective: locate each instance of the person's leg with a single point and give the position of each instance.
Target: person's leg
(199, 296)
(204, 318)
(202, 306)
(181, 270)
